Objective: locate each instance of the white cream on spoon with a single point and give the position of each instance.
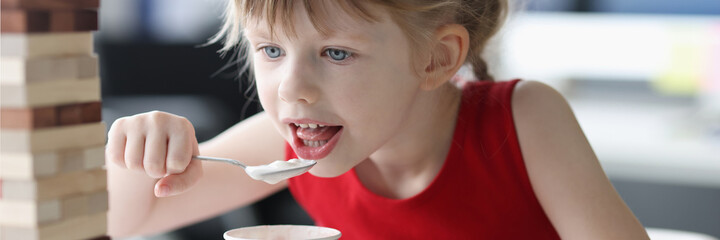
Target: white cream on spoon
(270, 173)
(279, 170)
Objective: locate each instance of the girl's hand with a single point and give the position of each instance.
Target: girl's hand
(157, 143)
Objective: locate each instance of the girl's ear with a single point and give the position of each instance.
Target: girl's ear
(447, 55)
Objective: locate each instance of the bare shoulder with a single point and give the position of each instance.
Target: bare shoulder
(564, 172)
(529, 95)
(542, 113)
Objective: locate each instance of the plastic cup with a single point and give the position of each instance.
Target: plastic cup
(282, 232)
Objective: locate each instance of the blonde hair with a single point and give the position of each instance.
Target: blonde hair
(418, 19)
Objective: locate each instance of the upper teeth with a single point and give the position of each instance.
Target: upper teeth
(309, 125)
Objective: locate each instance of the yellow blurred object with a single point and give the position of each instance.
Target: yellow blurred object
(690, 62)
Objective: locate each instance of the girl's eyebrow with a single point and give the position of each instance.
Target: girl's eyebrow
(346, 36)
(355, 37)
(257, 33)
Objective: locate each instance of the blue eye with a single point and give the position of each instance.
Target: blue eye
(272, 52)
(337, 54)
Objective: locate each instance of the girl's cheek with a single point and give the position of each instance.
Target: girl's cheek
(264, 93)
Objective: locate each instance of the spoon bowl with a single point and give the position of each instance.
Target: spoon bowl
(271, 173)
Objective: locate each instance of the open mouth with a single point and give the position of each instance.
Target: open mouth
(314, 141)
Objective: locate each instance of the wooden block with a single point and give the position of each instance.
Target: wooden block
(94, 158)
(84, 204)
(56, 186)
(44, 117)
(50, 93)
(101, 238)
(28, 118)
(45, 44)
(98, 202)
(62, 20)
(91, 112)
(82, 227)
(29, 166)
(28, 213)
(88, 67)
(34, 21)
(71, 160)
(80, 159)
(22, 71)
(74, 206)
(51, 4)
(79, 113)
(52, 139)
(74, 21)
(16, 20)
(70, 114)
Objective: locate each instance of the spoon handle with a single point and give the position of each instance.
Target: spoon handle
(225, 160)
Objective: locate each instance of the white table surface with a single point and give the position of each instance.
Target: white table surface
(650, 143)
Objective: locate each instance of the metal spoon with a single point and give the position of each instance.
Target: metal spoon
(271, 173)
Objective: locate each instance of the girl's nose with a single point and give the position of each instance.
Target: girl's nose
(298, 85)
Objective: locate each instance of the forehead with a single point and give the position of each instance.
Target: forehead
(328, 18)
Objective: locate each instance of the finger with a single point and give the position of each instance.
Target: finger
(180, 151)
(134, 151)
(115, 149)
(154, 157)
(175, 184)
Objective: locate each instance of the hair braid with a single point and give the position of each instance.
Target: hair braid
(482, 19)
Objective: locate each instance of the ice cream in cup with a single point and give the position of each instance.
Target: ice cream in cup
(282, 232)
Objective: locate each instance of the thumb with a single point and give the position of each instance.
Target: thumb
(175, 184)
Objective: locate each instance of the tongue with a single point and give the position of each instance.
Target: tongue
(317, 134)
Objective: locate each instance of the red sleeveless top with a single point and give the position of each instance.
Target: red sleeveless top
(481, 192)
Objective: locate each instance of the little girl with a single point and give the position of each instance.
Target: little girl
(364, 87)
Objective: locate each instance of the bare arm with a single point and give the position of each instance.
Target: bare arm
(564, 171)
(134, 209)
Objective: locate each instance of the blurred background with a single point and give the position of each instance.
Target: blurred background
(643, 77)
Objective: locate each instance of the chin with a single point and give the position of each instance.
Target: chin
(327, 171)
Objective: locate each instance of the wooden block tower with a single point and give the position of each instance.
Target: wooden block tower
(52, 181)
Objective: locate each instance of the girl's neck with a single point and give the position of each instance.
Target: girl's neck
(408, 163)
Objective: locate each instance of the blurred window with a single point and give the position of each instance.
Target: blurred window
(701, 7)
